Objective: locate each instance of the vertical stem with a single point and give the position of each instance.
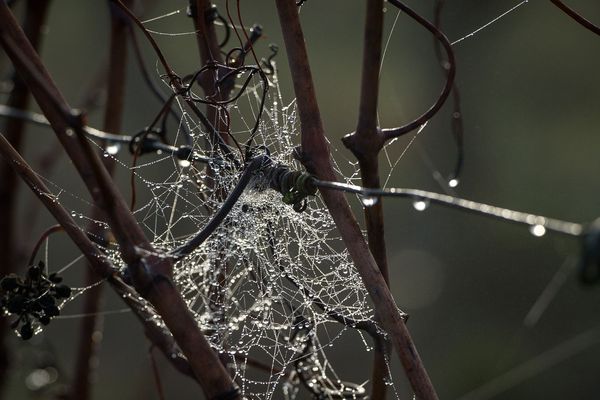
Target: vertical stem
(365, 144)
(316, 157)
(210, 52)
(14, 129)
(91, 327)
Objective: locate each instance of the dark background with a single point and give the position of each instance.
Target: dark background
(530, 92)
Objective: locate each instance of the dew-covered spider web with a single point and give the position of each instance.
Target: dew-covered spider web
(271, 286)
(273, 289)
(265, 284)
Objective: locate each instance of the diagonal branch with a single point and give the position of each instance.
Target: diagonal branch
(316, 157)
(95, 258)
(144, 262)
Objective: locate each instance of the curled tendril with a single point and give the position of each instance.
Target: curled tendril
(268, 63)
(450, 66)
(256, 33)
(213, 15)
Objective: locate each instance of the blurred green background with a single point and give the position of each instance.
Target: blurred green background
(530, 88)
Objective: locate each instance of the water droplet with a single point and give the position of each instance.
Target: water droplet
(105, 154)
(69, 132)
(184, 163)
(421, 204)
(113, 148)
(537, 230)
(369, 201)
(453, 182)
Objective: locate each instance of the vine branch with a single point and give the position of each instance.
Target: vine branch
(316, 157)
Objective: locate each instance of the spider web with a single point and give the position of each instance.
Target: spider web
(263, 287)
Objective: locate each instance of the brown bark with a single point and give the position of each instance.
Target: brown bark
(151, 273)
(316, 157)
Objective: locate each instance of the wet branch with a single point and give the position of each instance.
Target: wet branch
(316, 157)
(150, 271)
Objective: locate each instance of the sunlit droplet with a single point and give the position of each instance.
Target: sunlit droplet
(537, 230)
(40, 378)
(184, 163)
(368, 201)
(421, 205)
(453, 182)
(113, 148)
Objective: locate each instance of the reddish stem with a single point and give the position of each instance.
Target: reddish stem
(150, 271)
(316, 157)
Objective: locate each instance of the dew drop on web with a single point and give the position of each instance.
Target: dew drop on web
(537, 230)
(368, 201)
(113, 148)
(421, 204)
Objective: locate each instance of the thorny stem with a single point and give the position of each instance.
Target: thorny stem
(365, 144)
(150, 272)
(316, 157)
(35, 16)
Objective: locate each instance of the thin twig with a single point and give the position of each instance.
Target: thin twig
(395, 132)
(532, 220)
(175, 81)
(577, 17)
